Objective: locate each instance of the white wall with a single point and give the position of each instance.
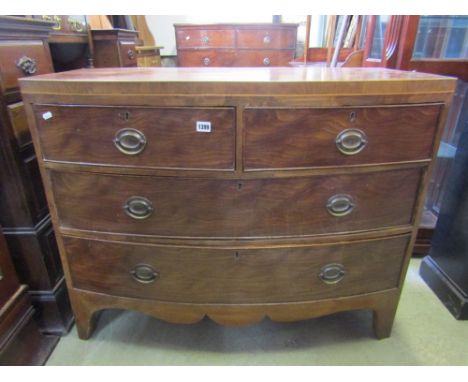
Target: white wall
(162, 28)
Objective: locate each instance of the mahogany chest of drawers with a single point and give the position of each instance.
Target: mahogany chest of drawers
(236, 193)
(235, 44)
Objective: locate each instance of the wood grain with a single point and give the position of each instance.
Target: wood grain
(285, 138)
(86, 134)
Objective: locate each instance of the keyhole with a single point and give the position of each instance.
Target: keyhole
(237, 256)
(125, 115)
(352, 117)
(239, 186)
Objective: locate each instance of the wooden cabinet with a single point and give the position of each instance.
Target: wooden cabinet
(24, 214)
(445, 269)
(21, 342)
(114, 47)
(237, 193)
(235, 44)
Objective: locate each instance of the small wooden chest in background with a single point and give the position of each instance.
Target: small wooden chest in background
(235, 44)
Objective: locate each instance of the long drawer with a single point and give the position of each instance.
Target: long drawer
(240, 57)
(138, 136)
(193, 207)
(214, 275)
(301, 138)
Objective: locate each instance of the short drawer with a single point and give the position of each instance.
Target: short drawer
(138, 137)
(206, 57)
(227, 208)
(266, 38)
(205, 38)
(128, 54)
(20, 59)
(213, 275)
(264, 57)
(301, 138)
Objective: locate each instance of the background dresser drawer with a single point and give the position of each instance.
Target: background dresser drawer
(295, 138)
(21, 59)
(178, 207)
(143, 137)
(205, 38)
(266, 38)
(264, 57)
(206, 57)
(211, 275)
(128, 54)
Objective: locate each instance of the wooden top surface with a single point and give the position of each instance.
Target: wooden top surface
(237, 25)
(238, 81)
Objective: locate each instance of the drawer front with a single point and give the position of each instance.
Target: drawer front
(138, 137)
(211, 275)
(206, 57)
(21, 59)
(128, 54)
(19, 123)
(266, 38)
(205, 38)
(264, 57)
(174, 207)
(300, 138)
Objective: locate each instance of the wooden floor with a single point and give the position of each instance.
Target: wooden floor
(424, 333)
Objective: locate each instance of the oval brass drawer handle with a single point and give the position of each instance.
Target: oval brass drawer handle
(27, 65)
(351, 141)
(340, 205)
(144, 273)
(131, 54)
(130, 141)
(266, 61)
(332, 273)
(138, 207)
